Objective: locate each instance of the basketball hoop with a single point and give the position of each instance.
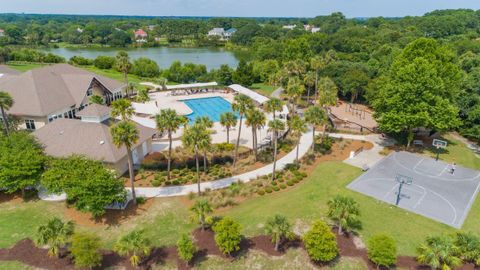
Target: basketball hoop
(439, 144)
(402, 180)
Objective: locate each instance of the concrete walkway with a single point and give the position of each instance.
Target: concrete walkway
(277, 93)
(305, 143)
(370, 157)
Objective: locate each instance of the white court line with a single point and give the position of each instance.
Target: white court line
(418, 163)
(391, 190)
(432, 176)
(421, 198)
(470, 203)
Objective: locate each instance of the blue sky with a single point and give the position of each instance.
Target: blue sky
(241, 8)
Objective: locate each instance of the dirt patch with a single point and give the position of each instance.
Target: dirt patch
(111, 217)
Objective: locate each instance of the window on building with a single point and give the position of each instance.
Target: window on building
(30, 124)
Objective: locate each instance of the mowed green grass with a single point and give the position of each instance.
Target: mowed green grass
(456, 152)
(22, 67)
(13, 265)
(263, 88)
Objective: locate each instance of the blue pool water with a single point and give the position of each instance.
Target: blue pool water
(212, 107)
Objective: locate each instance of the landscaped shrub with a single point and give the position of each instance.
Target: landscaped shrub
(268, 189)
(320, 242)
(140, 200)
(223, 147)
(154, 161)
(382, 250)
(186, 248)
(227, 235)
(276, 188)
(261, 192)
(85, 250)
(104, 62)
(291, 167)
(440, 252)
(283, 186)
(290, 183)
(469, 247)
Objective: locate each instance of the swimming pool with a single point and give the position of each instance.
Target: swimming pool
(212, 107)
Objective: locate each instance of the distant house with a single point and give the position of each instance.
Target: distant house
(79, 30)
(141, 35)
(315, 29)
(43, 95)
(219, 32)
(151, 27)
(91, 137)
(311, 28)
(2, 33)
(290, 26)
(228, 34)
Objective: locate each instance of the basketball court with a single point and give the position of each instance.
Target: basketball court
(427, 187)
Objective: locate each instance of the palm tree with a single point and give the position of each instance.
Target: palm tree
(195, 137)
(207, 124)
(6, 102)
(56, 234)
(469, 246)
(279, 229)
(318, 63)
(315, 116)
(123, 108)
(327, 96)
(439, 253)
(241, 104)
(135, 244)
(125, 134)
(297, 127)
(228, 120)
(275, 126)
(344, 212)
(273, 105)
(169, 121)
(310, 81)
(96, 99)
(200, 210)
(255, 119)
(294, 91)
(122, 63)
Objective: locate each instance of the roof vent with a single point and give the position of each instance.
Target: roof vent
(61, 132)
(102, 142)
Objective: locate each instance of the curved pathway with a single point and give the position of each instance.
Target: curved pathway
(305, 144)
(277, 93)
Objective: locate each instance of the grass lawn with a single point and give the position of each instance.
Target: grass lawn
(263, 88)
(456, 152)
(9, 265)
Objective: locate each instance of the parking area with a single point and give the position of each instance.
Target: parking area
(435, 192)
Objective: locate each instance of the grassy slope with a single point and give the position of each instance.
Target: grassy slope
(24, 67)
(263, 88)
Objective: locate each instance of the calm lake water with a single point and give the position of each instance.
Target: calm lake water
(164, 56)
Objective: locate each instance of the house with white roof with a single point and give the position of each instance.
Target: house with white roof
(2, 33)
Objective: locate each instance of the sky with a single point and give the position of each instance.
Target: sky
(236, 8)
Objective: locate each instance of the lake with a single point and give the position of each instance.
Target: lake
(213, 58)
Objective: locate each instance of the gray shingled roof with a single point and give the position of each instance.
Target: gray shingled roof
(65, 137)
(43, 91)
(95, 110)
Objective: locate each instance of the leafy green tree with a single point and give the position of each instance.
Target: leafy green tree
(224, 75)
(135, 244)
(255, 119)
(169, 121)
(243, 74)
(6, 102)
(382, 250)
(275, 126)
(241, 104)
(89, 185)
(424, 84)
(96, 99)
(145, 67)
(205, 145)
(344, 212)
(104, 62)
(85, 249)
(315, 116)
(320, 242)
(200, 210)
(228, 120)
(439, 252)
(21, 162)
(327, 92)
(279, 229)
(195, 137)
(297, 127)
(125, 133)
(227, 235)
(186, 248)
(55, 234)
(469, 247)
(123, 64)
(294, 91)
(273, 105)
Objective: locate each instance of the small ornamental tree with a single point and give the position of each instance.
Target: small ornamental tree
(55, 234)
(88, 184)
(344, 212)
(85, 250)
(279, 230)
(469, 247)
(320, 242)
(135, 245)
(439, 252)
(382, 250)
(200, 210)
(186, 248)
(227, 235)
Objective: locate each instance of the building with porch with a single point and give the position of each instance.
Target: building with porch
(45, 94)
(91, 137)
